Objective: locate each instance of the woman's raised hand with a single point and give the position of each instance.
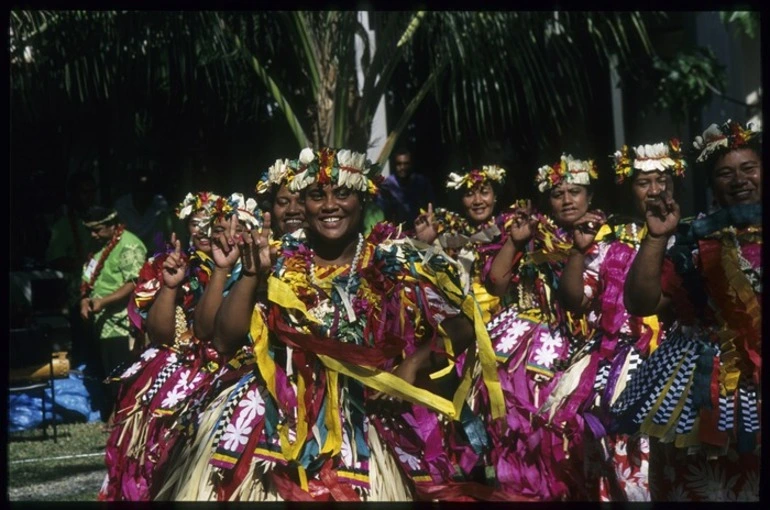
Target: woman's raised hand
(175, 265)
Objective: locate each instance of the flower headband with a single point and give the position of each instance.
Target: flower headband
(203, 200)
(332, 166)
(275, 175)
(568, 169)
(719, 139)
(246, 210)
(658, 157)
(475, 176)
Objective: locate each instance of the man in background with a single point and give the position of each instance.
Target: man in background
(108, 279)
(404, 192)
(145, 211)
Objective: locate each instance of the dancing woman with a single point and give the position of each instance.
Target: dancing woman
(468, 236)
(592, 283)
(533, 336)
(352, 329)
(698, 395)
(178, 364)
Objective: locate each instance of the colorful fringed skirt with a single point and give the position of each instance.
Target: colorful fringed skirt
(240, 454)
(710, 433)
(527, 456)
(166, 383)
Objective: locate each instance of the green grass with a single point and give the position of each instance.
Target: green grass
(69, 479)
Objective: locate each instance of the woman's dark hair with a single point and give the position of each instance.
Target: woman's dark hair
(266, 200)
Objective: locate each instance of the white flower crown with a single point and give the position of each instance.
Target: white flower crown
(568, 169)
(342, 167)
(475, 176)
(729, 135)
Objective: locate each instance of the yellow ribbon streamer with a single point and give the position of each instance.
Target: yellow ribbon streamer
(489, 304)
(391, 384)
(652, 322)
(471, 309)
(333, 442)
(281, 293)
(486, 358)
(259, 336)
(729, 370)
(302, 478)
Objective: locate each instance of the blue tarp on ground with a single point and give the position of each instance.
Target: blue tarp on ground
(78, 400)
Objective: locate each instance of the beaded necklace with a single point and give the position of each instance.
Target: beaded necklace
(636, 235)
(87, 287)
(353, 265)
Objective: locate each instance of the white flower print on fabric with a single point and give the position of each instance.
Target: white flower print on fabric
(173, 398)
(253, 404)
(621, 447)
(517, 329)
(236, 433)
(644, 444)
(407, 458)
(131, 370)
(545, 356)
(552, 342)
(642, 474)
(181, 389)
(186, 385)
(149, 353)
(636, 492)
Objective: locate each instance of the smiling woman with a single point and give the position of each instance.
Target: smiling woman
(467, 236)
(702, 385)
(339, 406)
(178, 365)
(533, 336)
(592, 282)
(287, 208)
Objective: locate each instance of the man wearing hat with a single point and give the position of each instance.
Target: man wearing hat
(106, 285)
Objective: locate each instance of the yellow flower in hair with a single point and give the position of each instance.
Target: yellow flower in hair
(623, 167)
(592, 172)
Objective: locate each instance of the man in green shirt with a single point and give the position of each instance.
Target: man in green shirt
(107, 281)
